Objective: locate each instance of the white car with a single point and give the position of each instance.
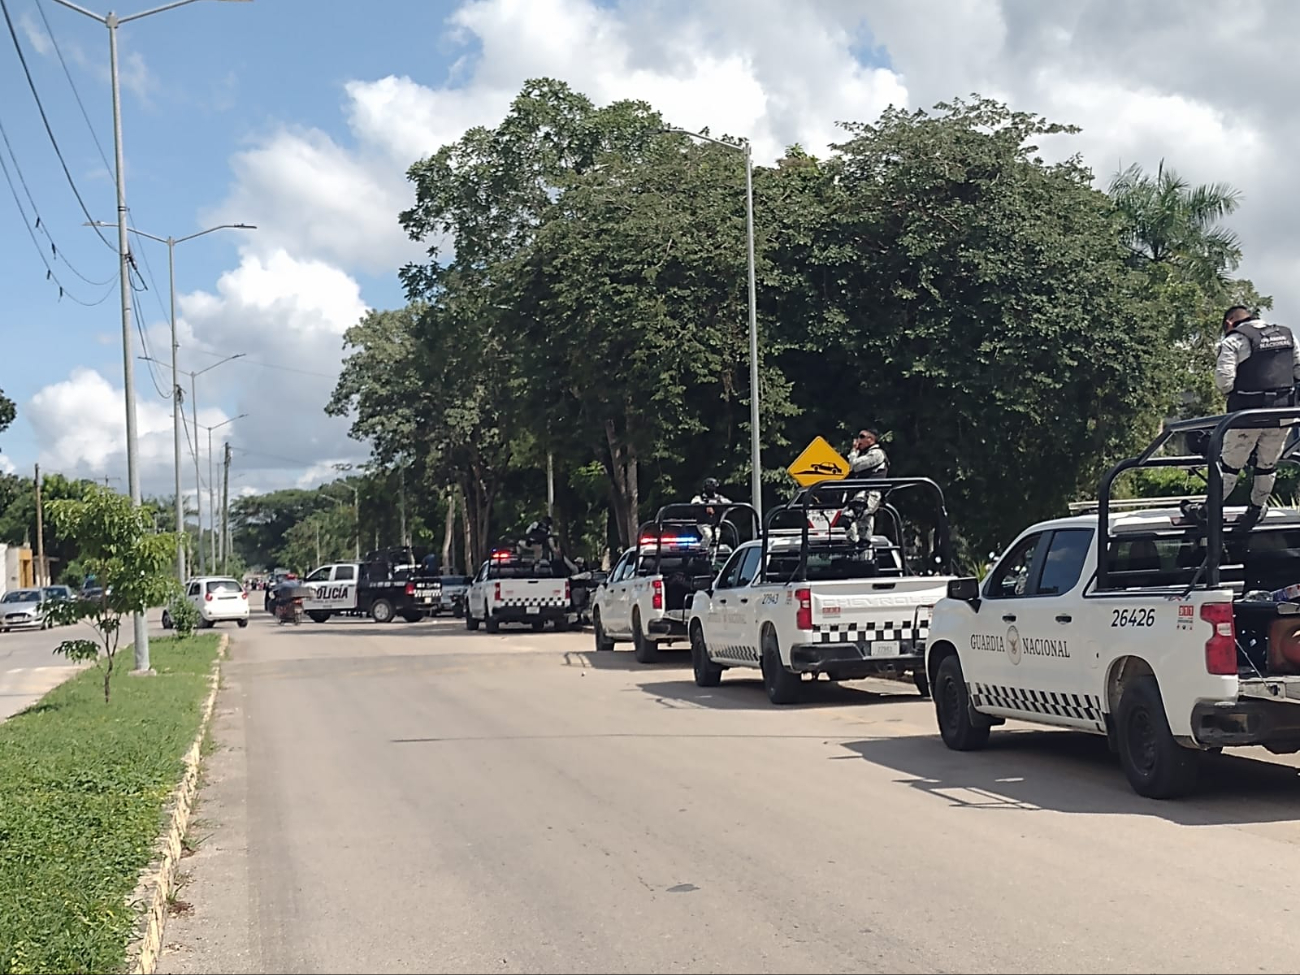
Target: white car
(21, 608)
(219, 599)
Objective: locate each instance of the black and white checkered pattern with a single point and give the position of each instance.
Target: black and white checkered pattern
(872, 631)
(531, 601)
(1085, 707)
(736, 652)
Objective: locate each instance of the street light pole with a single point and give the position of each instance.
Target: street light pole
(171, 243)
(756, 464)
(112, 22)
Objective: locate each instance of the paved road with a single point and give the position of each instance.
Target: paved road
(29, 669)
(415, 798)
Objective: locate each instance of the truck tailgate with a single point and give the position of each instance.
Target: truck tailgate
(530, 592)
(890, 615)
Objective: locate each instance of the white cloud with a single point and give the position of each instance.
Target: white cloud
(7, 466)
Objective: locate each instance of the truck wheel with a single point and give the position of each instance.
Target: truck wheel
(603, 642)
(644, 650)
(318, 617)
(490, 622)
(414, 617)
(921, 681)
(1156, 765)
(471, 622)
(381, 611)
(707, 673)
(782, 685)
(959, 730)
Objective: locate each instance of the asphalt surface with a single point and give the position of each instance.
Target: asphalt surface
(414, 798)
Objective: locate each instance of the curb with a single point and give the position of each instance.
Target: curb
(151, 894)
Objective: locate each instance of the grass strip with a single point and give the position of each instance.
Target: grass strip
(83, 785)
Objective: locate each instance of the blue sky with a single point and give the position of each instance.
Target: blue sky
(301, 116)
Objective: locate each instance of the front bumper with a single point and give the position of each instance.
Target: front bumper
(16, 622)
(850, 661)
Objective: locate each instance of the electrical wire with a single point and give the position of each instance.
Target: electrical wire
(269, 365)
(40, 250)
(40, 7)
(49, 130)
(144, 343)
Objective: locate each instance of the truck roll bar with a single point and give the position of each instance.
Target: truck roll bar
(696, 513)
(1218, 426)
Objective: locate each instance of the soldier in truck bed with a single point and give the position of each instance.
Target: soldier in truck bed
(1258, 367)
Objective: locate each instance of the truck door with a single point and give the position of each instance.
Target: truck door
(331, 587)
(1028, 656)
(720, 630)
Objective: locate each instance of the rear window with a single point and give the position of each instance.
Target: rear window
(218, 586)
(520, 570)
(837, 562)
(1267, 559)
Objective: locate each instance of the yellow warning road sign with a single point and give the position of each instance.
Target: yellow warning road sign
(818, 462)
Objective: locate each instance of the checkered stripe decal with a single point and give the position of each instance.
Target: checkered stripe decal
(531, 601)
(872, 630)
(730, 652)
(1085, 707)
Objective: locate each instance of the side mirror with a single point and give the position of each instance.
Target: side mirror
(966, 589)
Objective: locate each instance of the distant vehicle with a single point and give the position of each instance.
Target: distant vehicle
(22, 608)
(58, 592)
(218, 599)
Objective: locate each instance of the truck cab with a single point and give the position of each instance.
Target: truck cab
(1137, 621)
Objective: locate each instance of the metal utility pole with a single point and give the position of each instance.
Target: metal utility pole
(42, 574)
(225, 515)
(112, 22)
(401, 472)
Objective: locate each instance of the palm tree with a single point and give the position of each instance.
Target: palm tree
(1169, 221)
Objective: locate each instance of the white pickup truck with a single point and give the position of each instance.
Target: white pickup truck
(807, 601)
(646, 598)
(1183, 637)
(511, 589)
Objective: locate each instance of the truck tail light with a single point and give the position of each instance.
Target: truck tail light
(496, 591)
(803, 616)
(658, 601)
(410, 588)
(568, 593)
(1221, 647)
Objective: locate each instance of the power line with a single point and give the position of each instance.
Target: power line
(40, 7)
(31, 83)
(40, 250)
(144, 342)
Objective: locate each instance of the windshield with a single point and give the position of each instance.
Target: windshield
(828, 562)
(23, 596)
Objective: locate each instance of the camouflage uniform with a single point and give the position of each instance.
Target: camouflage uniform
(871, 462)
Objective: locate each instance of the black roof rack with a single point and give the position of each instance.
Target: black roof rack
(1216, 426)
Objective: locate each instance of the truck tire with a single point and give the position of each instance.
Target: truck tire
(959, 730)
(707, 673)
(921, 681)
(644, 650)
(603, 643)
(317, 616)
(1156, 765)
(381, 611)
(490, 622)
(412, 617)
(539, 625)
(471, 623)
(782, 685)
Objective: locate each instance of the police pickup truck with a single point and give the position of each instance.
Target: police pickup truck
(806, 600)
(513, 588)
(647, 596)
(1169, 633)
(382, 587)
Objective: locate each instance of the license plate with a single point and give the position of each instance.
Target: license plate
(533, 609)
(883, 648)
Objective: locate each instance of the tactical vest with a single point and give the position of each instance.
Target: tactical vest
(881, 470)
(1268, 376)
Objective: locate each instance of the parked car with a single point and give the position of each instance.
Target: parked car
(218, 599)
(22, 608)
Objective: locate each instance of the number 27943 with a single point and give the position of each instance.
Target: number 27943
(1133, 617)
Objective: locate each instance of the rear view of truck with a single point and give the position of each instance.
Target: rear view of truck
(511, 589)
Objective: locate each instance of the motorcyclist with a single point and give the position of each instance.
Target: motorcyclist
(867, 460)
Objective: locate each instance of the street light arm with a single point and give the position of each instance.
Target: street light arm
(224, 226)
(709, 138)
(155, 10)
(82, 10)
(229, 358)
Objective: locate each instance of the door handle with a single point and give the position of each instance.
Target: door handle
(745, 600)
(723, 601)
(1008, 617)
(1063, 617)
